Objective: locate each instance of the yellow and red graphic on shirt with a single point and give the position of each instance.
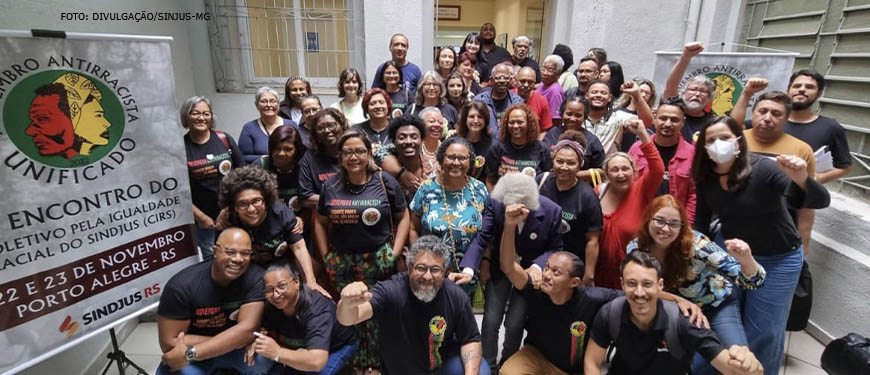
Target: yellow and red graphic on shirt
(437, 328)
(578, 333)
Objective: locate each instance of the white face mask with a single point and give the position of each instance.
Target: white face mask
(722, 151)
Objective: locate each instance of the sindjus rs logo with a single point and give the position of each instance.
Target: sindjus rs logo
(69, 326)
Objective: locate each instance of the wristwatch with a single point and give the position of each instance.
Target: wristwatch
(190, 354)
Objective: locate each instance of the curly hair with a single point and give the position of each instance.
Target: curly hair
(678, 257)
(532, 126)
(336, 115)
(406, 120)
(244, 178)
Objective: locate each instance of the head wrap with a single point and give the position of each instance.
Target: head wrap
(573, 145)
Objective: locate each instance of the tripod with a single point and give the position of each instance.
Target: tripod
(117, 355)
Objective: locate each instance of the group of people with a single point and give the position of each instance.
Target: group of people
(580, 205)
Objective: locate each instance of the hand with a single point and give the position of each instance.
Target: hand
(742, 361)
(356, 293)
(794, 167)
(459, 278)
(693, 312)
(205, 222)
(409, 181)
(739, 250)
(693, 49)
(249, 354)
(635, 126)
(534, 274)
(514, 214)
(631, 88)
(755, 85)
(223, 219)
(175, 358)
(316, 287)
(266, 346)
(299, 227)
(588, 280)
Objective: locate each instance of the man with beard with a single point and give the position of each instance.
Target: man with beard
(676, 153)
(490, 53)
(651, 336)
(209, 311)
(767, 137)
(559, 313)
(804, 88)
(522, 47)
(587, 71)
(411, 73)
(426, 323)
(698, 94)
(526, 89)
(499, 98)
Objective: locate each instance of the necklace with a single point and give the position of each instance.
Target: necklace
(449, 217)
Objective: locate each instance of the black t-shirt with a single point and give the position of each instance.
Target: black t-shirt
(313, 327)
(500, 106)
(581, 212)
(192, 295)
(594, 156)
(378, 139)
(667, 153)
(481, 149)
(528, 62)
(494, 57)
(560, 332)
(693, 125)
(400, 100)
(207, 164)
(823, 131)
(417, 337)
(641, 353)
(314, 169)
(448, 112)
(288, 184)
(271, 240)
(361, 222)
(504, 157)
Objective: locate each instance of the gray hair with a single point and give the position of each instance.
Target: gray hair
(556, 59)
(500, 65)
(283, 265)
(431, 244)
(515, 187)
(265, 90)
(427, 110)
(523, 38)
(187, 106)
(440, 81)
(706, 81)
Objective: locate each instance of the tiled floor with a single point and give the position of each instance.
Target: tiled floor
(804, 352)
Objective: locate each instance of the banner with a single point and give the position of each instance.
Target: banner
(730, 71)
(95, 197)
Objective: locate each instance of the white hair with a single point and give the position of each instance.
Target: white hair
(556, 59)
(522, 38)
(515, 187)
(424, 111)
(265, 90)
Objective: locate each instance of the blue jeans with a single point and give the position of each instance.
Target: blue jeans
(334, 363)
(498, 293)
(765, 310)
(233, 360)
(205, 241)
(726, 321)
(453, 366)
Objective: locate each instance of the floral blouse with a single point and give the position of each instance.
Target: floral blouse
(463, 214)
(714, 273)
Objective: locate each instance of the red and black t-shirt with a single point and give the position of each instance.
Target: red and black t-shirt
(207, 164)
(272, 239)
(504, 157)
(314, 169)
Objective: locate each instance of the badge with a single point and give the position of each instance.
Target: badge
(397, 113)
(294, 203)
(437, 325)
(529, 171)
(234, 316)
(225, 166)
(479, 161)
(578, 329)
(371, 216)
(565, 227)
(533, 236)
(281, 249)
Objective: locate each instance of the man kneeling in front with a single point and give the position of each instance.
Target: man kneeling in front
(426, 322)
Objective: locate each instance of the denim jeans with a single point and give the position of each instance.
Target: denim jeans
(205, 241)
(726, 321)
(453, 366)
(233, 360)
(500, 293)
(334, 363)
(765, 310)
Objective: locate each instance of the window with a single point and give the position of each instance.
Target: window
(262, 42)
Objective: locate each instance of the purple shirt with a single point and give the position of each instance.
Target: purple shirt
(554, 95)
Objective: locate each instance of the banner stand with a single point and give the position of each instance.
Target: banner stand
(117, 355)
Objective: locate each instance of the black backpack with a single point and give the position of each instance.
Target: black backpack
(672, 336)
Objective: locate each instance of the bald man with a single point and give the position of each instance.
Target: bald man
(209, 311)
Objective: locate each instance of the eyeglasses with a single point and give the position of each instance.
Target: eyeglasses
(230, 252)
(244, 205)
(268, 101)
(281, 288)
(431, 84)
(662, 223)
(198, 114)
(360, 152)
(326, 127)
(434, 270)
(459, 158)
